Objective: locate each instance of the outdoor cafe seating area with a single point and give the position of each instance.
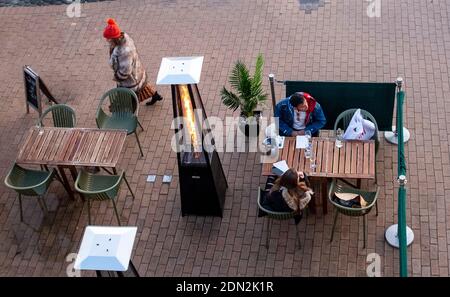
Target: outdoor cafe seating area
(57, 145)
(63, 147)
(198, 215)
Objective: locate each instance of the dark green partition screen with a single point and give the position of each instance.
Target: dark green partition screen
(335, 97)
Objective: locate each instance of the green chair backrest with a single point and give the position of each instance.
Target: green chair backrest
(274, 214)
(123, 104)
(343, 120)
(122, 100)
(62, 114)
(28, 182)
(98, 187)
(370, 197)
(336, 97)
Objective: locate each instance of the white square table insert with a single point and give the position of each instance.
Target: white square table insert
(106, 248)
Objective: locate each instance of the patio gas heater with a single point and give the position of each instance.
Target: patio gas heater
(202, 180)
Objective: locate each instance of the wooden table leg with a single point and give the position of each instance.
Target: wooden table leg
(313, 204)
(358, 183)
(114, 170)
(73, 172)
(66, 182)
(324, 190)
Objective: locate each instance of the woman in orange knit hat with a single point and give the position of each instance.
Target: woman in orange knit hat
(124, 60)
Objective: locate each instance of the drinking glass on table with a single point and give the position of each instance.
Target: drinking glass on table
(40, 128)
(312, 162)
(308, 134)
(308, 149)
(339, 138)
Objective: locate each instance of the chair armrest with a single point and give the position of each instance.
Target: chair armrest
(136, 111)
(271, 212)
(100, 117)
(49, 176)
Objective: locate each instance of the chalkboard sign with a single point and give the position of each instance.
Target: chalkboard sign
(33, 87)
(32, 90)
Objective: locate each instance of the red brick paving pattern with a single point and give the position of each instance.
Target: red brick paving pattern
(337, 42)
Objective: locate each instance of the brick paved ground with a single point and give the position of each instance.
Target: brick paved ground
(42, 2)
(337, 42)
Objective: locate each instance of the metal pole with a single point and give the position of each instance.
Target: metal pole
(400, 235)
(272, 90)
(402, 181)
(401, 228)
(392, 136)
(399, 83)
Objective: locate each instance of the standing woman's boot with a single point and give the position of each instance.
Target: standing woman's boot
(156, 97)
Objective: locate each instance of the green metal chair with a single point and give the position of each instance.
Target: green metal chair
(369, 197)
(123, 112)
(62, 114)
(273, 215)
(345, 117)
(30, 182)
(100, 187)
(343, 120)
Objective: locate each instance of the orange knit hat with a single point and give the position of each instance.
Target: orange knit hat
(112, 30)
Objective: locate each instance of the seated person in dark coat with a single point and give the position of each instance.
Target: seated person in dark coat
(299, 113)
(288, 193)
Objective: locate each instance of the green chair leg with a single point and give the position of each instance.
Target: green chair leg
(334, 224)
(20, 205)
(364, 231)
(42, 204)
(89, 210)
(115, 210)
(139, 123)
(128, 185)
(376, 208)
(139, 144)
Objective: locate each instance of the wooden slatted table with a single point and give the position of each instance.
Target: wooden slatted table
(356, 160)
(70, 147)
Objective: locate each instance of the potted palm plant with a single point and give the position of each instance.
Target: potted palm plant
(248, 94)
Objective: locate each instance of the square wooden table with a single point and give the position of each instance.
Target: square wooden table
(70, 147)
(355, 160)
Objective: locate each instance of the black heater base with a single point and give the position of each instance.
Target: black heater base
(203, 188)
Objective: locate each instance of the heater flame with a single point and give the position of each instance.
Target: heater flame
(188, 113)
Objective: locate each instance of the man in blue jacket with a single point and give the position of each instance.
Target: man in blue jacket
(299, 113)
